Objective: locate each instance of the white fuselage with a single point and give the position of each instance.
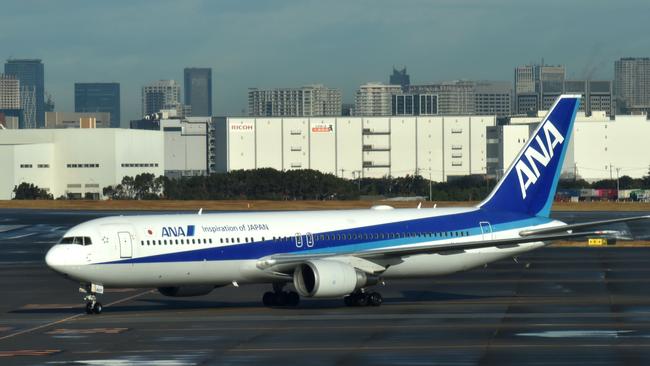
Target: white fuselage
(218, 249)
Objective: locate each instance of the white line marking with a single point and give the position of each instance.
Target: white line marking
(20, 236)
(30, 330)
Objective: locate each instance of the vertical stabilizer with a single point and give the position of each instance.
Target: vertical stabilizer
(529, 184)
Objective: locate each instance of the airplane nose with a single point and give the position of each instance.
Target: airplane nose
(56, 257)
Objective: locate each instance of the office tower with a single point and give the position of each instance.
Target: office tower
(632, 84)
(536, 87)
(31, 74)
(454, 97)
(198, 90)
(162, 94)
(98, 97)
(10, 108)
(375, 99)
(414, 104)
(400, 77)
(493, 98)
(310, 100)
(9, 92)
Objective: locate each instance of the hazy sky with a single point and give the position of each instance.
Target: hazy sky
(342, 44)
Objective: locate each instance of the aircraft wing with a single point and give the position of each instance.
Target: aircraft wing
(284, 260)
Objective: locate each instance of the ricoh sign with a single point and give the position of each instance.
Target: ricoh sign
(242, 127)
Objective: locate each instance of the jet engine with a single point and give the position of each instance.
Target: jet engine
(186, 291)
(328, 278)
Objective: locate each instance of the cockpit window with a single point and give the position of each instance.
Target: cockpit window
(79, 240)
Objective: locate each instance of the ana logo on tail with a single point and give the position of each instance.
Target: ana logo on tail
(527, 170)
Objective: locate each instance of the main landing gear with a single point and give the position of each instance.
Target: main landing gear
(279, 297)
(92, 305)
(362, 298)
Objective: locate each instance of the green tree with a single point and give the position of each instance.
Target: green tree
(29, 191)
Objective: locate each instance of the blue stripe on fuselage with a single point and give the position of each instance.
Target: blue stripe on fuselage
(467, 221)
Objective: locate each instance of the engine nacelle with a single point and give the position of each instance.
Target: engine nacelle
(186, 291)
(328, 278)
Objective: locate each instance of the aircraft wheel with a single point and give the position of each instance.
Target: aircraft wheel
(97, 309)
(89, 308)
(280, 299)
(268, 299)
(375, 299)
(348, 300)
(361, 300)
(293, 299)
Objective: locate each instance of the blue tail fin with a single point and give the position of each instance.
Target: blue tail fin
(529, 184)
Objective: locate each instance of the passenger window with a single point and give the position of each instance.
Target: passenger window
(262, 238)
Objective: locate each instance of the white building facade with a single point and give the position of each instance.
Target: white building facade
(186, 146)
(76, 162)
(601, 148)
(352, 147)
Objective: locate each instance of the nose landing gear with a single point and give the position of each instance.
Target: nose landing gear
(92, 305)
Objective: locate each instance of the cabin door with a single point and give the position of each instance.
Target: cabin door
(126, 247)
(486, 230)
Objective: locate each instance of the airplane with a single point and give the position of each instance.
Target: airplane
(328, 254)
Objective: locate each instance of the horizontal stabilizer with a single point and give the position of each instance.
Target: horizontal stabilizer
(582, 225)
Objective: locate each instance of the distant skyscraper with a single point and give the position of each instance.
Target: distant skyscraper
(632, 84)
(465, 97)
(198, 90)
(98, 97)
(9, 92)
(10, 100)
(454, 97)
(375, 99)
(493, 98)
(31, 74)
(414, 104)
(162, 94)
(536, 87)
(310, 100)
(400, 77)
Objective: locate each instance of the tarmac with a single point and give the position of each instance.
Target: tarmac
(559, 306)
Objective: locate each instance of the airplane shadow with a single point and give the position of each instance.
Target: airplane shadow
(182, 304)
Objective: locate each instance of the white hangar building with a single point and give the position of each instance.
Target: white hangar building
(601, 148)
(432, 146)
(77, 162)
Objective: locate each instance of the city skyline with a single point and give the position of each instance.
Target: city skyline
(312, 43)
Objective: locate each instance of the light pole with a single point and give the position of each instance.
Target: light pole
(618, 171)
(430, 190)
